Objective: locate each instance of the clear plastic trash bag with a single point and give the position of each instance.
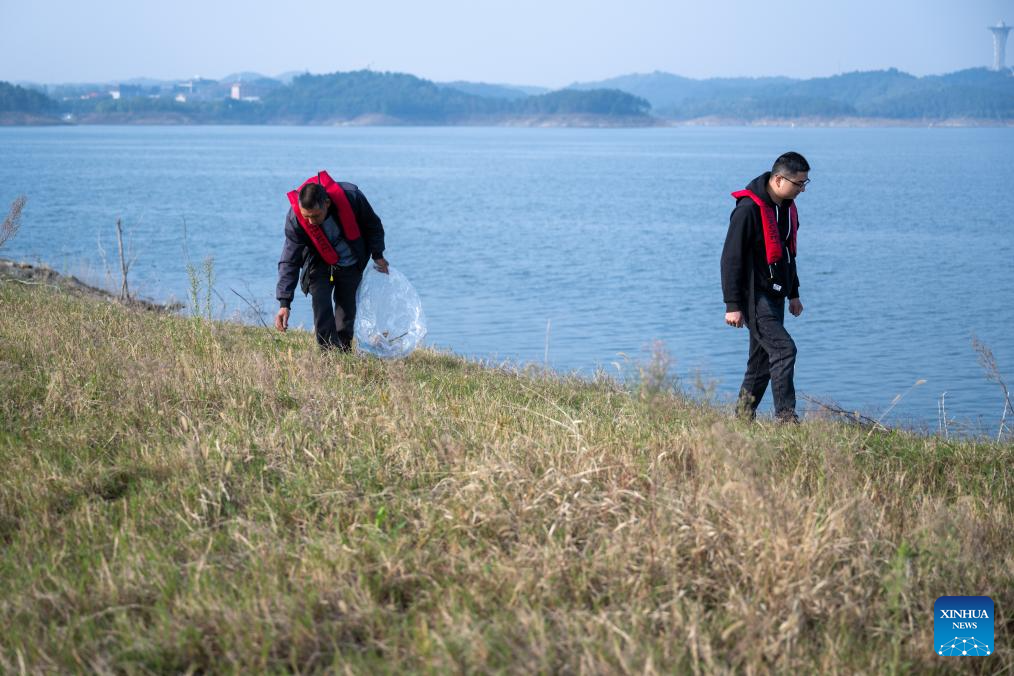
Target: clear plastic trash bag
(389, 316)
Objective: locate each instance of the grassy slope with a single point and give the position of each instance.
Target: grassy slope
(177, 494)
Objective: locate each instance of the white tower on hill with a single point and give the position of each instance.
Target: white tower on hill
(999, 32)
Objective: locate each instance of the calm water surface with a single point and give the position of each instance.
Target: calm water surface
(595, 242)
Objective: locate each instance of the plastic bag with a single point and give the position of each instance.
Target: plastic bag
(389, 317)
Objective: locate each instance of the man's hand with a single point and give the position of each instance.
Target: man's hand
(734, 319)
(282, 319)
(795, 307)
(380, 264)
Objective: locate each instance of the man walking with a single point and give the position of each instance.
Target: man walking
(331, 232)
(758, 274)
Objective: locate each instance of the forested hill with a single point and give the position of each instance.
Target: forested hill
(358, 97)
(18, 105)
(405, 98)
(371, 97)
(976, 93)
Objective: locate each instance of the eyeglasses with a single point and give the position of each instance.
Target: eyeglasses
(799, 184)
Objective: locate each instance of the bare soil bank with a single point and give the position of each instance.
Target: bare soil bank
(36, 275)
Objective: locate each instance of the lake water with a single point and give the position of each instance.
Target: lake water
(586, 245)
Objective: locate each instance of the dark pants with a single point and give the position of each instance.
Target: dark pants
(772, 358)
(334, 304)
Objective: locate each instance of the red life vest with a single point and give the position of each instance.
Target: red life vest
(346, 216)
(772, 238)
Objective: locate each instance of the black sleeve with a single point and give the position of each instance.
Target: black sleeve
(735, 257)
(290, 261)
(370, 225)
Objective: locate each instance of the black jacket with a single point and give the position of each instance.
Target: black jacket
(298, 250)
(744, 252)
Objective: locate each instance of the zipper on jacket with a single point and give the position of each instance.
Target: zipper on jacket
(788, 254)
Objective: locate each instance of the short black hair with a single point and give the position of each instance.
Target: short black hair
(312, 196)
(790, 163)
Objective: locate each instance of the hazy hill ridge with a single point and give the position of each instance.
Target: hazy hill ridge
(976, 93)
(372, 97)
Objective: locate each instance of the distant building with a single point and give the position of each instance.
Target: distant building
(999, 31)
(252, 90)
(198, 89)
(126, 92)
(181, 98)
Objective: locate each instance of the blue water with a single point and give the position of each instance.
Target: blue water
(593, 242)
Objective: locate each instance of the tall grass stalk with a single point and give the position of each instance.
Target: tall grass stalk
(988, 362)
(124, 262)
(202, 287)
(12, 221)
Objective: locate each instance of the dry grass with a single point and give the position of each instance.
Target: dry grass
(179, 495)
(12, 221)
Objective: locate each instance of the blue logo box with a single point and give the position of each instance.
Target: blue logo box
(963, 626)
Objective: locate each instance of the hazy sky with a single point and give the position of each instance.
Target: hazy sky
(540, 42)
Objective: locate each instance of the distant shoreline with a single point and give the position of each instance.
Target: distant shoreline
(531, 122)
(9, 119)
(837, 122)
(973, 97)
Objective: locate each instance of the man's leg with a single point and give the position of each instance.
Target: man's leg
(755, 381)
(346, 283)
(323, 310)
(781, 354)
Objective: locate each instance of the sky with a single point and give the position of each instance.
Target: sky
(550, 43)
